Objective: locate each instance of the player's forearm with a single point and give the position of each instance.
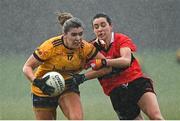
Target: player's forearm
(119, 62)
(28, 69)
(28, 72)
(95, 74)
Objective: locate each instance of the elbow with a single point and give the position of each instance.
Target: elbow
(24, 69)
(127, 63)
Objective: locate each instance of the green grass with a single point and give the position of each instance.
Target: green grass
(164, 69)
(161, 66)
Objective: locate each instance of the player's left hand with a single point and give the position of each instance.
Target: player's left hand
(41, 84)
(76, 79)
(96, 64)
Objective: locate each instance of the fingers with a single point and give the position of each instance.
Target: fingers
(46, 78)
(95, 64)
(69, 85)
(91, 63)
(51, 90)
(68, 81)
(71, 74)
(48, 90)
(88, 65)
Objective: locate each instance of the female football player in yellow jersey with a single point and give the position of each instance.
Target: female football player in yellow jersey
(66, 54)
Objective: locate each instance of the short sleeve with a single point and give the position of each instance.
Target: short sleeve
(89, 50)
(44, 51)
(125, 41)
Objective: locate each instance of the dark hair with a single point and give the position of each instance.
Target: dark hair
(103, 15)
(72, 23)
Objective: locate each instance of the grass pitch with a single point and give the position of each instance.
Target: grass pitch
(160, 66)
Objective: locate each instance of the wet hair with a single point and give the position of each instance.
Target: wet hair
(63, 17)
(103, 15)
(72, 23)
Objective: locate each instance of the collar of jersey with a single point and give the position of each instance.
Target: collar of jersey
(112, 37)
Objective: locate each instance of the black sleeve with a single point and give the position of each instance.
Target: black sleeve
(37, 57)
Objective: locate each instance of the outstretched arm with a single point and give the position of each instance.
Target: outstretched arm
(91, 74)
(100, 69)
(123, 61)
(80, 78)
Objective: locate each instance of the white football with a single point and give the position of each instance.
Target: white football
(55, 80)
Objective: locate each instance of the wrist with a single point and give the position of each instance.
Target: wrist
(84, 77)
(32, 79)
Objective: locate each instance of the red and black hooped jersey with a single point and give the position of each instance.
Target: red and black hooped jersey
(128, 75)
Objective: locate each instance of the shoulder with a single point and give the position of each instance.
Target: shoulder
(86, 44)
(52, 42)
(122, 40)
(121, 36)
(47, 48)
(89, 49)
(55, 41)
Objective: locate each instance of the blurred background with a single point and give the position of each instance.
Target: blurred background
(154, 25)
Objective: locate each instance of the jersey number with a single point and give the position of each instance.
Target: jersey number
(70, 56)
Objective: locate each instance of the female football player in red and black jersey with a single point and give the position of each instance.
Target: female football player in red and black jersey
(129, 89)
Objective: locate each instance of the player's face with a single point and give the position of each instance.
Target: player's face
(102, 29)
(74, 37)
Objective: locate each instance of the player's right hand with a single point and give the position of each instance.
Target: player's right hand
(76, 79)
(41, 84)
(96, 64)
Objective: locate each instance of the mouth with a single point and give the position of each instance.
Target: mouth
(101, 35)
(77, 43)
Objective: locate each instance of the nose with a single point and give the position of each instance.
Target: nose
(78, 37)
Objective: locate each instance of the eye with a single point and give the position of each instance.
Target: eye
(96, 26)
(103, 24)
(81, 33)
(73, 34)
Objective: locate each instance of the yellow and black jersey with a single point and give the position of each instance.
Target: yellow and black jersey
(57, 57)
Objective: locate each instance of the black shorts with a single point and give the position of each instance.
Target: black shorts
(50, 102)
(125, 97)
